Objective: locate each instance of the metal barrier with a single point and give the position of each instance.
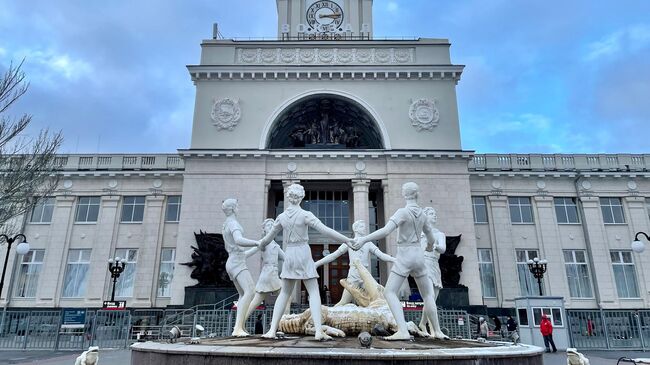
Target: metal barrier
(111, 328)
(609, 329)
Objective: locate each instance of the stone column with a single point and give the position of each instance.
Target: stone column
(638, 221)
(145, 286)
(360, 200)
(504, 250)
(551, 248)
(56, 252)
(102, 250)
(598, 249)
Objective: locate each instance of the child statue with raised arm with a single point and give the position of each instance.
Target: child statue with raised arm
(431, 257)
(236, 264)
(298, 263)
(410, 223)
(362, 255)
(269, 280)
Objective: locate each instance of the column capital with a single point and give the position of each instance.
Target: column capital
(360, 185)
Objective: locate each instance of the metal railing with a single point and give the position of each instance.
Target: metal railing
(609, 329)
(41, 329)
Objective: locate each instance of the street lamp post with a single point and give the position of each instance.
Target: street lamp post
(21, 249)
(638, 246)
(116, 267)
(538, 267)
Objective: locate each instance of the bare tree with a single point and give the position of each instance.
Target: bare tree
(28, 164)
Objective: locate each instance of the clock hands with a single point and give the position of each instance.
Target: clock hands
(331, 16)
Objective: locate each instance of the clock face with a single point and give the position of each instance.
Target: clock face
(325, 17)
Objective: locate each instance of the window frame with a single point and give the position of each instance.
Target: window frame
(30, 264)
(622, 263)
(491, 264)
(518, 205)
(603, 207)
(179, 204)
(533, 282)
(88, 205)
(565, 208)
(132, 206)
(549, 313)
(160, 266)
(575, 262)
(36, 204)
(79, 261)
(119, 286)
(483, 205)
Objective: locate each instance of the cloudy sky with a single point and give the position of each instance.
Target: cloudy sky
(541, 76)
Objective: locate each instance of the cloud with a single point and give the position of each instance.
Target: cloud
(628, 40)
(50, 65)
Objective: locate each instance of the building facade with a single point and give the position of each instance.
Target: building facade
(351, 118)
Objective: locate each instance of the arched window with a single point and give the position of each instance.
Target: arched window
(325, 122)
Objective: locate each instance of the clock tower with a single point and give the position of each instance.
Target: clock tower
(324, 19)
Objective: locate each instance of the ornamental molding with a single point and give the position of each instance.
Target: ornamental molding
(424, 114)
(226, 113)
(334, 56)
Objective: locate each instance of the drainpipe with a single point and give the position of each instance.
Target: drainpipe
(585, 232)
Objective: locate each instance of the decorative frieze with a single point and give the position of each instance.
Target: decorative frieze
(336, 56)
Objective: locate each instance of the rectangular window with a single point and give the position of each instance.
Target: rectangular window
(42, 210)
(76, 274)
(553, 314)
(527, 282)
(612, 209)
(133, 209)
(166, 274)
(521, 211)
(87, 209)
(331, 207)
(522, 314)
(173, 211)
(28, 272)
(480, 209)
(124, 286)
(566, 210)
(577, 273)
(486, 269)
(624, 274)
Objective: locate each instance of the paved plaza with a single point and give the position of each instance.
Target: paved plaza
(123, 357)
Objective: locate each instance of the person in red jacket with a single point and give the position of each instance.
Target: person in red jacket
(546, 327)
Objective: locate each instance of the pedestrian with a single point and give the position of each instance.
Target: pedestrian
(497, 325)
(546, 327)
(590, 327)
(511, 327)
(259, 326)
(483, 328)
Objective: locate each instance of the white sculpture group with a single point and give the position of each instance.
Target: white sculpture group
(419, 245)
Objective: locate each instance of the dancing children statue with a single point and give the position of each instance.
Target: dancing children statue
(410, 223)
(298, 263)
(236, 263)
(431, 256)
(269, 280)
(362, 255)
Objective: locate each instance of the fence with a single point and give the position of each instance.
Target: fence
(609, 329)
(41, 329)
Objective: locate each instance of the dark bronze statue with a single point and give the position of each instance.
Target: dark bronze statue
(209, 261)
(450, 264)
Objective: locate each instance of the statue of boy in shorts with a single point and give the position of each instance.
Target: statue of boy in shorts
(410, 222)
(236, 263)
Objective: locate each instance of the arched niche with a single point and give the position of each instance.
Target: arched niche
(325, 121)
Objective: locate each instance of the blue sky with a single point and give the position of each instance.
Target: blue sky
(541, 76)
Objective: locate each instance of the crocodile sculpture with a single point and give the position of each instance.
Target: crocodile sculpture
(350, 319)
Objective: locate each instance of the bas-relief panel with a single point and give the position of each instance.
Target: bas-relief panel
(340, 56)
